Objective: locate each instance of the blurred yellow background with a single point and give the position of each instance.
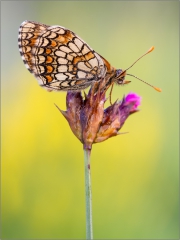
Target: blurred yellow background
(135, 175)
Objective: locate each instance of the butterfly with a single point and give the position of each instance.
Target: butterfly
(60, 60)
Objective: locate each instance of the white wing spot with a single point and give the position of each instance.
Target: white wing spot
(69, 57)
(70, 67)
(62, 61)
(93, 62)
(45, 42)
(55, 85)
(61, 76)
(85, 50)
(62, 68)
(65, 49)
(42, 42)
(81, 74)
(65, 84)
(39, 59)
(78, 43)
(82, 66)
(73, 47)
(60, 53)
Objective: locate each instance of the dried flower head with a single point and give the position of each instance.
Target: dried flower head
(88, 119)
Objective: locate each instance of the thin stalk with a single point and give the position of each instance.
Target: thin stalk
(89, 228)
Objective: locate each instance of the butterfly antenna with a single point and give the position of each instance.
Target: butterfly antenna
(150, 50)
(156, 88)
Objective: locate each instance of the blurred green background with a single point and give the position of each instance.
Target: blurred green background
(134, 176)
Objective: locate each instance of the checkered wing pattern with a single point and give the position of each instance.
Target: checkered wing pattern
(58, 58)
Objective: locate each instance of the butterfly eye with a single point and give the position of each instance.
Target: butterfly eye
(118, 72)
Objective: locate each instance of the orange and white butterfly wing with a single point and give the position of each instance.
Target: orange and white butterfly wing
(58, 58)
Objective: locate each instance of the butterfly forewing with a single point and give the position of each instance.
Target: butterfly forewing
(58, 58)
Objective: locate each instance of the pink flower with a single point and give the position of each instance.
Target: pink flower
(88, 119)
(133, 97)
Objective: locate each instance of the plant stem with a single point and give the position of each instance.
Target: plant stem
(89, 229)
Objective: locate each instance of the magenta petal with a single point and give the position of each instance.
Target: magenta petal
(133, 97)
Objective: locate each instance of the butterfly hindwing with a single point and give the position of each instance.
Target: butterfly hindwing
(58, 58)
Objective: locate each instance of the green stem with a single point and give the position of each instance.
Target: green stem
(89, 228)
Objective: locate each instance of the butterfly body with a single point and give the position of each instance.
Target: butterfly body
(62, 61)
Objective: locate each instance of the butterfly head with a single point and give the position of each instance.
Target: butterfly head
(120, 77)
